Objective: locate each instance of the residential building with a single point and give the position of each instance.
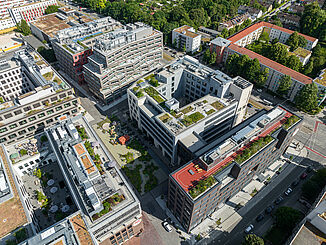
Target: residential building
(95, 188)
(289, 19)
(238, 20)
(221, 169)
(185, 37)
(236, 44)
(296, 8)
(121, 57)
(320, 81)
(190, 106)
(208, 31)
(30, 11)
(34, 95)
(303, 54)
(254, 13)
(6, 21)
(73, 45)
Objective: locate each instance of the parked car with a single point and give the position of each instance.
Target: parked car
(303, 175)
(250, 105)
(259, 90)
(260, 217)
(249, 229)
(295, 183)
(166, 226)
(269, 209)
(309, 169)
(288, 191)
(278, 200)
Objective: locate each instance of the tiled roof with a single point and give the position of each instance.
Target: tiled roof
(272, 64)
(254, 27)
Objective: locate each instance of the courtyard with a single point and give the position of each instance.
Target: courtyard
(127, 146)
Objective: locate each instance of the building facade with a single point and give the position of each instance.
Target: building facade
(190, 105)
(238, 20)
(224, 170)
(72, 46)
(121, 57)
(185, 37)
(33, 95)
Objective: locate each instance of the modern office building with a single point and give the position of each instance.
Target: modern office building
(112, 211)
(33, 95)
(73, 45)
(236, 44)
(185, 37)
(187, 105)
(121, 57)
(221, 169)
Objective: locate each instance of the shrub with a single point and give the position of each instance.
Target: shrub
(23, 152)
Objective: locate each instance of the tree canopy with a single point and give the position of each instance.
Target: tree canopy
(51, 9)
(23, 27)
(285, 84)
(295, 41)
(253, 239)
(306, 100)
(287, 218)
(314, 185)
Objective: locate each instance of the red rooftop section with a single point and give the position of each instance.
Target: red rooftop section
(272, 64)
(250, 29)
(186, 180)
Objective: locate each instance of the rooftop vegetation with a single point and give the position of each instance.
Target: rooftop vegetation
(108, 204)
(176, 115)
(210, 111)
(165, 118)
(57, 80)
(290, 121)
(48, 76)
(202, 186)
(193, 118)
(154, 94)
(223, 167)
(253, 148)
(83, 45)
(187, 109)
(153, 81)
(66, 47)
(217, 105)
(138, 92)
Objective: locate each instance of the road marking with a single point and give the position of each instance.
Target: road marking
(316, 152)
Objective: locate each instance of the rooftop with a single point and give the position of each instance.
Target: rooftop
(302, 52)
(236, 37)
(187, 31)
(272, 64)
(321, 79)
(10, 41)
(229, 149)
(50, 24)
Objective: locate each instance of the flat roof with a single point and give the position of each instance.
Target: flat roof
(87, 164)
(186, 180)
(79, 149)
(272, 64)
(50, 24)
(9, 41)
(81, 230)
(322, 78)
(12, 213)
(185, 31)
(254, 27)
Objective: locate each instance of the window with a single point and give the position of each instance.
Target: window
(12, 136)
(23, 122)
(31, 128)
(32, 118)
(13, 126)
(41, 115)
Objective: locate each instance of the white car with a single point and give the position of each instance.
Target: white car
(288, 191)
(167, 226)
(249, 229)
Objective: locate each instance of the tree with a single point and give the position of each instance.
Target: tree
(308, 68)
(51, 9)
(314, 185)
(306, 100)
(287, 218)
(262, 78)
(313, 20)
(278, 52)
(207, 55)
(293, 62)
(231, 64)
(253, 239)
(23, 27)
(212, 58)
(295, 41)
(285, 84)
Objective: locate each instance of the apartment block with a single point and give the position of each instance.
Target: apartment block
(238, 20)
(189, 106)
(186, 37)
(236, 44)
(121, 57)
(33, 95)
(73, 45)
(93, 188)
(224, 167)
(30, 11)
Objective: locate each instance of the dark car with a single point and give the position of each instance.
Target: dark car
(303, 176)
(269, 209)
(295, 183)
(278, 200)
(260, 217)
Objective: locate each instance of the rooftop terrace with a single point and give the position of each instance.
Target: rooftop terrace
(230, 151)
(321, 79)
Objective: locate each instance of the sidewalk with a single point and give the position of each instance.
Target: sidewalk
(231, 213)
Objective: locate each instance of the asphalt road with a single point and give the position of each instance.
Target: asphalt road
(237, 234)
